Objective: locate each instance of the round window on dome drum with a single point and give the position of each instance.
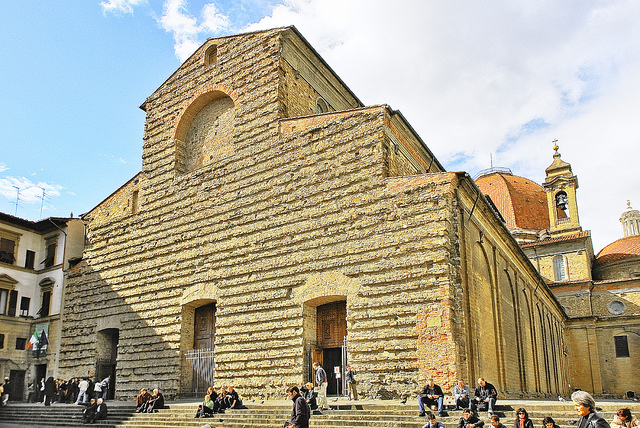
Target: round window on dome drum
(616, 307)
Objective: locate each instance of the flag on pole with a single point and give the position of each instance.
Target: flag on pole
(43, 341)
(34, 339)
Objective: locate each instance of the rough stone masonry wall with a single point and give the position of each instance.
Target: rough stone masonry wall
(293, 218)
(138, 265)
(315, 206)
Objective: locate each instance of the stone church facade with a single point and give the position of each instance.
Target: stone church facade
(278, 221)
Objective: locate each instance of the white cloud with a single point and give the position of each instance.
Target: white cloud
(120, 6)
(186, 29)
(3, 167)
(30, 192)
(500, 76)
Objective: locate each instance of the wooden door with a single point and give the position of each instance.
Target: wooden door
(205, 327)
(331, 324)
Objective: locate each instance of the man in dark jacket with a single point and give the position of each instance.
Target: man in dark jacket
(586, 407)
(310, 395)
(432, 396)
(233, 399)
(89, 414)
(350, 378)
(469, 420)
(101, 409)
(321, 382)
(485, 395)
(300, 413)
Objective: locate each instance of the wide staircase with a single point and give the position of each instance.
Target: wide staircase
(345, 414)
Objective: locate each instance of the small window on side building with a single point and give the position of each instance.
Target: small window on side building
(13, 302)
(51, 254)
(7, 247)
(21, 343)
(321, 106)
(622, 346)
(4, 297)
(46, 302)
(1, 341)
(29, 260)
(25, 302)
(134, 202)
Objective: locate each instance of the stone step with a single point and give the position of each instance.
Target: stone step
(272, 415)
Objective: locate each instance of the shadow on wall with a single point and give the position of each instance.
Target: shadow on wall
(123, 332)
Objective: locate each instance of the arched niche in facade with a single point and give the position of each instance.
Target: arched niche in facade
(205, 131)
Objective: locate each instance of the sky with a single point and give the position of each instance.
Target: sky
(484, 84)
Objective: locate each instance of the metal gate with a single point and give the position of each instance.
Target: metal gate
(202, 361)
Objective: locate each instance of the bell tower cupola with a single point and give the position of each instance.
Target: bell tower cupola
(560, 185)
(630, 220)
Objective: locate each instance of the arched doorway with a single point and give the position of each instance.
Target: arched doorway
(107, 348)
(202, 357)
(331, 331)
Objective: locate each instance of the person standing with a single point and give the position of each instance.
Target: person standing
(72, 390)
(82, 391)
(97, 389)
(321, 382)
(105, 387)
(300, 412)
(585, 406)
(7, 391)
(49, 390)
(350, 378)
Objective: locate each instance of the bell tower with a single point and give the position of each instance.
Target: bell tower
(561, 186)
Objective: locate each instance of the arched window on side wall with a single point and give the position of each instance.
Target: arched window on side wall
(559, 268)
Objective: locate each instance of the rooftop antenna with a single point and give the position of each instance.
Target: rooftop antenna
(491, 159)
(42, 198)
(15, 214)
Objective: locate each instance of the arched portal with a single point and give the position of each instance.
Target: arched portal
(107, 348)
(328, 338)
(197, 339)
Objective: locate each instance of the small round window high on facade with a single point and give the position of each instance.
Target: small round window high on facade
(616, 307)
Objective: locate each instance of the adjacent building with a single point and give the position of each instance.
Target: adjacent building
(34, 257)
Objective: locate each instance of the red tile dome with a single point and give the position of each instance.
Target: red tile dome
(623, 248)
(521, 202)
